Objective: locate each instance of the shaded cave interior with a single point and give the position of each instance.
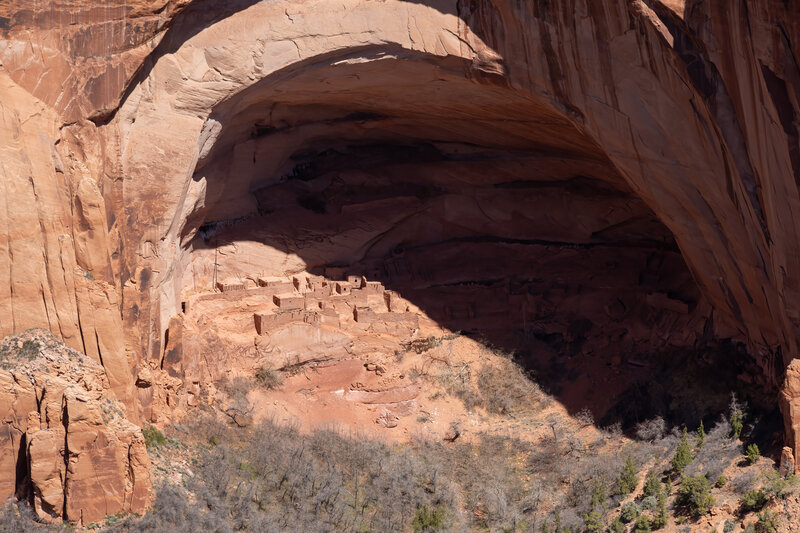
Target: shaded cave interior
(488, 209)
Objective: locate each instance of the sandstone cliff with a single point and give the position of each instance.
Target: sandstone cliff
(132, 131)
(67, 446)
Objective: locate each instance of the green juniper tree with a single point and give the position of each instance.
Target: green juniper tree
(701, 435)
(683, 454)
(628, 478)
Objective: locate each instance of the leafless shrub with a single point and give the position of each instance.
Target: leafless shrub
(651, 430)
(743, 482)
(269, 378)
(16, 517)
(585, 417)
(457, 381)
(716, 454)
(506, 390)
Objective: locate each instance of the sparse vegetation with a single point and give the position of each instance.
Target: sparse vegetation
(269, 378)
(767, 522)
(153, 437)
(754, 500)
(429, 519)
(271, 477)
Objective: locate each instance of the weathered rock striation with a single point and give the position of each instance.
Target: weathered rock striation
(151, 149)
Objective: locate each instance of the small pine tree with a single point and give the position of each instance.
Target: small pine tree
(701, 435)
(617, 526)
(628, 478)
(599, 495)
(661, 516)
(652, 485)
(695, 495)
(737, 418)
(753, 453)
(429, 519)
(767, 522)
(683, 455)
(593, 522)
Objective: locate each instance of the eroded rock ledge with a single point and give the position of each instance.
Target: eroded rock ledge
(66, 445)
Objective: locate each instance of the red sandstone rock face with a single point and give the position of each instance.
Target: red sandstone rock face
(678, 118)
(67, 446)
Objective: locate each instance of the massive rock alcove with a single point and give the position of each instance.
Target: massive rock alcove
(580, 176)
(486, 208)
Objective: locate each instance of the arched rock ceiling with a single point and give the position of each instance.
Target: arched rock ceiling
(607, 73)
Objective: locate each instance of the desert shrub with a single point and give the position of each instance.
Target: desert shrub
(768, 522)
(651, 430)
(649, 503)
(683, 454)
(17, 517)
(720, 482)
(429, 519)
(754, 500)
(153, 437)
(695, 495)
(593, 522)
(628, 478)
(585, 417)
(420, 346)
(729, 526)
(777, 486)
(642, 525)
(30, 349)
(617, 526)
(507, 389)
(629, 512)
(457, 381)
(753, 453)
(743, 482)
(237, 390)
(269, 378)
(717, 453)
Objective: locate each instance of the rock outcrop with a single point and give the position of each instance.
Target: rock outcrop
(150, 149)
(66, 444)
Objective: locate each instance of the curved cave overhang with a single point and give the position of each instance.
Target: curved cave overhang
(290, 139)
(487, 208)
